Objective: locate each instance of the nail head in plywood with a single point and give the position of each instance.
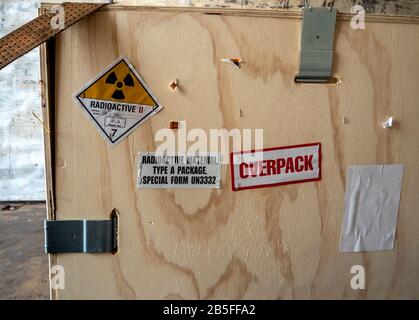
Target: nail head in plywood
(174, 125)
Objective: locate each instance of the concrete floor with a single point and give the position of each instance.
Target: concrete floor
(23, 263)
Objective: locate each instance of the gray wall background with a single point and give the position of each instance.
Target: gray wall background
(21, 142)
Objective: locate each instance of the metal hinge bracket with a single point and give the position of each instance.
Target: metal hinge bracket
(85, 236)
(317, 40)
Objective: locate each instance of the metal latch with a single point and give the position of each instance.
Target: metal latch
(317, 39)
(86, 236)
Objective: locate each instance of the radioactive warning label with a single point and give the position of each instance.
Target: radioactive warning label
(117, 101)
(180, 171)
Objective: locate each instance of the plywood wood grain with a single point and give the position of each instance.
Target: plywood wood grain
(275, 243)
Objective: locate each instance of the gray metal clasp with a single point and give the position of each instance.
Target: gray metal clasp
(317, 39)
(85, 236)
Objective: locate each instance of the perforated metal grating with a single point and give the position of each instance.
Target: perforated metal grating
(39, 30)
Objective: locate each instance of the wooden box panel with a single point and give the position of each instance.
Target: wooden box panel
(275, 243)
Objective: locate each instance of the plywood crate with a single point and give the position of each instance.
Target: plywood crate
(273, 243)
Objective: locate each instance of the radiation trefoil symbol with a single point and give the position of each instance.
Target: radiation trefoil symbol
(119, 93)
(117, 101)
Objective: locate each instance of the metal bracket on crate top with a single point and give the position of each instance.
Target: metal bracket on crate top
(84, 236)
(317, 45)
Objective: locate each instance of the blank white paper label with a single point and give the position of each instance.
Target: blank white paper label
(371, 204)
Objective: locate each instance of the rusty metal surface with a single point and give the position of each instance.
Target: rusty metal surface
(37, 31)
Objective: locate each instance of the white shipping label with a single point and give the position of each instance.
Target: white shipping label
(371, 205)
(275, 166)
(179, 171)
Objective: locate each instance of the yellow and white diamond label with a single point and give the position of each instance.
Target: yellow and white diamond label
(117, 101)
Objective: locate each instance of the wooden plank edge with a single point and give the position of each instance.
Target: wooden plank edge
(271, 13)
(47, 89)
